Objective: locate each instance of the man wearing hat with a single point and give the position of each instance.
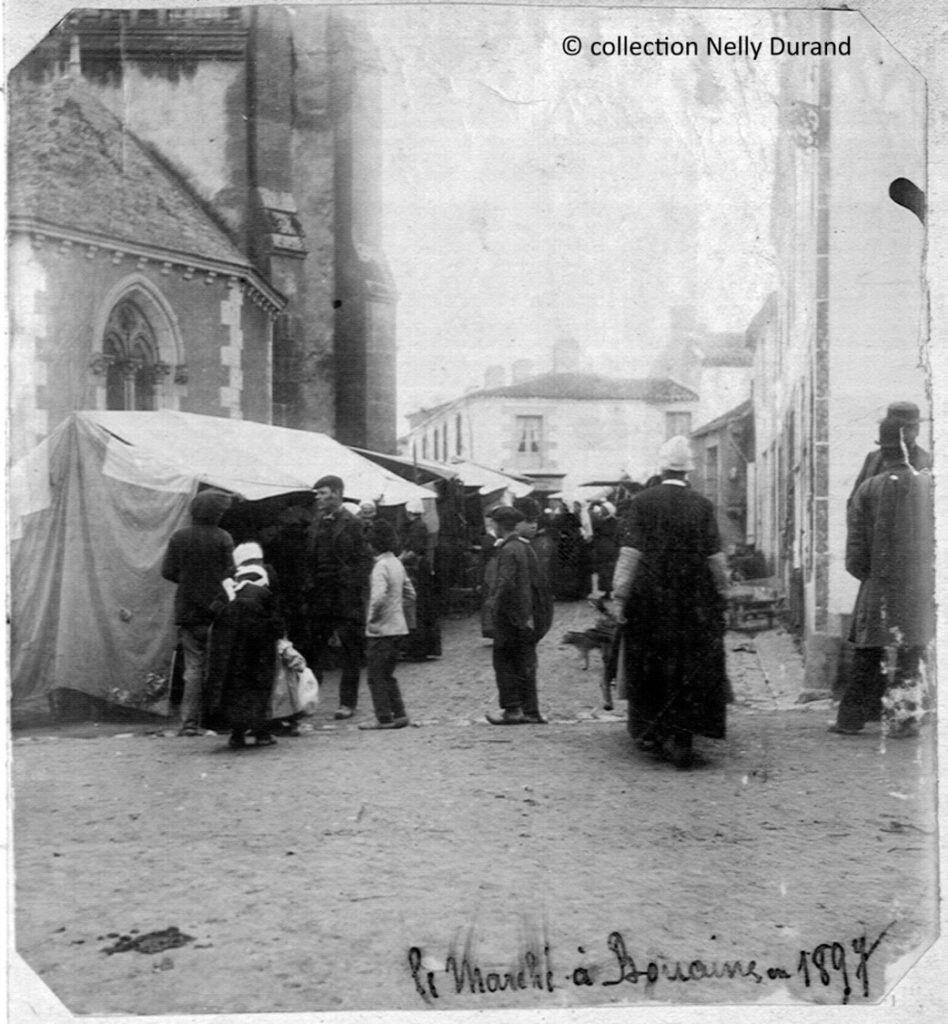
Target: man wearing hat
(520, 619)
(367, 513)
(906, 414)
(890, 550)
(529, 529)
(336, 573)
(670, 581)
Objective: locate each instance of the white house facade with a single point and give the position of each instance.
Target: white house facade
(561, 430)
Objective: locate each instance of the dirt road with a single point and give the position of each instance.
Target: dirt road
(456, 865)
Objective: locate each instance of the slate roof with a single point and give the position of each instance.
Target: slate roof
(592, 386)
(73, 166)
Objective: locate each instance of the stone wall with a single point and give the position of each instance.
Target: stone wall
(213, 339)
(270, 116)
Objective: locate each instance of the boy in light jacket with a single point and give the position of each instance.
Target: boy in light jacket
(391, 605)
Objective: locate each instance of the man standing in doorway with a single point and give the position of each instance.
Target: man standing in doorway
(337, 568)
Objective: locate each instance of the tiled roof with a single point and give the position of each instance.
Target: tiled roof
(72, 165)
(592, 386)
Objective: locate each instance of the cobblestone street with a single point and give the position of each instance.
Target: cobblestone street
(453, 865)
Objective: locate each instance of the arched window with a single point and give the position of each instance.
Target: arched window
(134, 369)
(138, 361)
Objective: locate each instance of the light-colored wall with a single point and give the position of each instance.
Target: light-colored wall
(585, 439)
(28, 331)
(195, 120)
(721, 388)
(876, 300)
(874, 312)
(60, 299)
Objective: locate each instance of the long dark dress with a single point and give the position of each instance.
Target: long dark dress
(544, 544)
(674, 634)
(242, 659)
(605, 550)
(424, 640)
(570, 567)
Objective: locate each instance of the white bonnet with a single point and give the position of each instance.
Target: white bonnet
(675, 454)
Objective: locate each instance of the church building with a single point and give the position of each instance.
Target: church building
(194, 222)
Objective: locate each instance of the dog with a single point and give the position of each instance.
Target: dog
(599, 637)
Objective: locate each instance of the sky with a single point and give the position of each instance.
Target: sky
(530, 195)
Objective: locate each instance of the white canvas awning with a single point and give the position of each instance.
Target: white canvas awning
(92, 509)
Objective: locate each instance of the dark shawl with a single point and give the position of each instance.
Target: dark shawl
(674, 633)
(242, 657)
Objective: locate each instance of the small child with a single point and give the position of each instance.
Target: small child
(391, 606)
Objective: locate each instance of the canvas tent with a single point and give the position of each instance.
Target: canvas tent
(489, 483)
(91, 511)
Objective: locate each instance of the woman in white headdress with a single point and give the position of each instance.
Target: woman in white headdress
(670, 582)
(605, 545)
(242, 650)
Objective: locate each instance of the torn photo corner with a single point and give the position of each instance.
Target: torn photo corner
(462, 256)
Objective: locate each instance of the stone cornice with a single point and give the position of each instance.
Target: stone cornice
(215, 34)
(92, 246)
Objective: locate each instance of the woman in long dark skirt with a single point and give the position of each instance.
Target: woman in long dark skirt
(670, 580)
(605, 545)
(242, 654)
(570, 569)
(424, 641)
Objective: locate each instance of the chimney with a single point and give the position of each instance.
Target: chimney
(522, 370)
(566, 355)
(495, 377)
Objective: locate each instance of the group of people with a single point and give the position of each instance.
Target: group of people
(667, 582)
(663, 571)
(669, 599)
(573, 543)
(359, 601)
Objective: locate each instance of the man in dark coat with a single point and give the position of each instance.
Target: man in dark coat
(337, 568)
(670, 582)
(907, 415)
(198, 558)
(521, 612)
(531, 530)
(890, 550)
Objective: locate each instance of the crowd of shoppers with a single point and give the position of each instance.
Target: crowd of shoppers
(369, 598)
